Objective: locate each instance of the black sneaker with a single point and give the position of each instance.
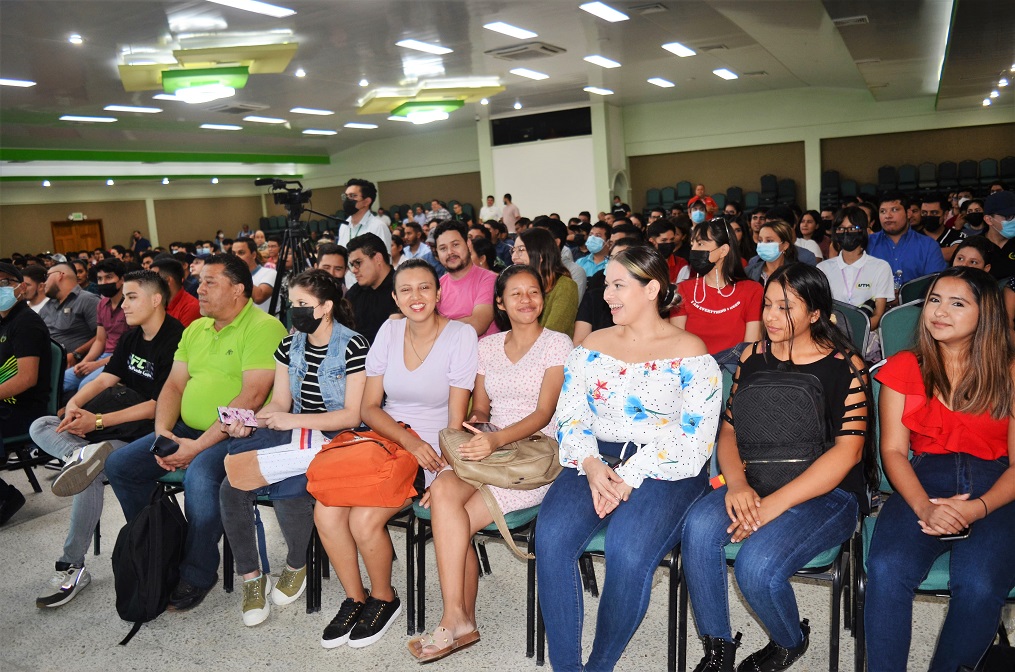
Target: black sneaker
(11, 501)
(185, 596)
(775, 658)
(337, 632)
(375, 619)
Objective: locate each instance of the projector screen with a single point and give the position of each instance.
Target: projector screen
(548, 176)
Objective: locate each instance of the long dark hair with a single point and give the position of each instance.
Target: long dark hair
(784, 232)
(544, 255)
(500, 315)
(819, 226)
(323, 287)
(645, 264)
(719, 232)
(811, 285)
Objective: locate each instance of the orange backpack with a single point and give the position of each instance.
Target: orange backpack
(362, 468)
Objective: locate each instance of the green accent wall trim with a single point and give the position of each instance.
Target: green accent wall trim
(30, 154)
(133, 178)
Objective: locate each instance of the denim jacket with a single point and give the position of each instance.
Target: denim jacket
(330, 375)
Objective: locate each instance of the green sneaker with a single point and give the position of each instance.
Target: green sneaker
(290, 586)
(255, 601)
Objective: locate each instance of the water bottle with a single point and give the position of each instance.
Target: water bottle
(898, 285)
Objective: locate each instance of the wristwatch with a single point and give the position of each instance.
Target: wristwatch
(78, 356)
(98, 422)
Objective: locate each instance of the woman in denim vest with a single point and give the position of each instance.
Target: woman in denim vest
(319, 381)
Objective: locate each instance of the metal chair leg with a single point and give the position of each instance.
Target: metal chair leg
(228, 569)
(410, 572)
(530, 593)
(26, 464)
(98, 535)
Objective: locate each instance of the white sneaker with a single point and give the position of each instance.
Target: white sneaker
(67, 582)
(255, 600)
(82, 469)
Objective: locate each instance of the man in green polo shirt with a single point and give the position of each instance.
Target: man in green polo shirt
(224, 359)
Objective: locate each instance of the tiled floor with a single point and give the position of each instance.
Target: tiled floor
(83, 634)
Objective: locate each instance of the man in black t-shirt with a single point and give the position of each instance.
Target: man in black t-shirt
(372, 297)
(24, 370)
(122, 409)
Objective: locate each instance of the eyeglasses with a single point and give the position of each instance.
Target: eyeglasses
(518, 249)
(4, 282)
(350, 197)
(354, 265)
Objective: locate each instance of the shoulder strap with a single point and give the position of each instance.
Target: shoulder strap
(498, 519)
(133, 631)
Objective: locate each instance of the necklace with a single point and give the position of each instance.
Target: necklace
(697, 303)
(413, 346)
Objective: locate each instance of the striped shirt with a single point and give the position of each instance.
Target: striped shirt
(311, 400)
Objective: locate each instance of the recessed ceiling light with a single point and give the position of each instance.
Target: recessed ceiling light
(397, 118)
(96, 120)
(46, 183)
(222, 127)
(74, 38)
(356, 124)
(661, 83)
(214, 180)
(24, 83)
(604, 12)
(995, 93)
(598, 90)
(602, 61)
(165, 180)
(435, 49)
(484, 101)
(517, 105)
(167, 96)
(257, 7)
(204, 93)
(986, 102)
(509, 30)
(531, 74)
(319, 131)
(364, 82)
(678, 49)
(264, 120)
(1002, 82)
(300, 72)
(109, 183)
(724, 73)
(132, 108)
(310, 110)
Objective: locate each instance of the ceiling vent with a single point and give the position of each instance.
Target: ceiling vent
(713, 47)
(237, 108)
(860, 20)
(756, 73)
(867, 61)
(526, 52)
(650, 8)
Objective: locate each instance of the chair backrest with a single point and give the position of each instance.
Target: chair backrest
(735, 194)
(947, 170)
(988, 170)
(857, 325)
(1008, 169)
(968, 170)
(727, 386)
(885, 486)
(684, 189)
(652, 198)
(787, 187)
(907, 177)
(886, 177)
(720, 200)
(848, 188)
(751, 200)
(868, 189)
(830, 179)
(928, 174)
(915, 288)
(57, 364)
(898, 327)
(769, 184)
(669, 197)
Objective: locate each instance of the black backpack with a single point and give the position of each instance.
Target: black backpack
(146, 560)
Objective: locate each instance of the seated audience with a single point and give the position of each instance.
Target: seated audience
(999, 219)
(84, 275)
(415, 245)
(484, 256)
(466, 290)
(662, 235)
(357, 201)
(599, 249)
(263, 278)
(35, 286)
(593, 312)
(558, 230)
(931, 208)
(437, 213)
(536, 248)
(334, 260)
(775, 249)
(396, 250)
(371, 296)
(182, 306)
(952, 411)
(970, 219)
(70, 312)
(905, 250)
(712, 208)
(974, 251)
(811, 236)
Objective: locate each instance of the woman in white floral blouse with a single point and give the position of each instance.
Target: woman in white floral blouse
(636, 422)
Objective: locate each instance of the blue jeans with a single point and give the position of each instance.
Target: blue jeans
(72, 382)
(767, 560)
(982, 568)
(641, 532)
(132, 472)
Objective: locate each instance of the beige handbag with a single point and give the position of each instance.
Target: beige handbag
(521, 465)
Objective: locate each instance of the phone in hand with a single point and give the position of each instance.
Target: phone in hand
(164, 446)
(481, 427)
(228, 414)
(961, 534)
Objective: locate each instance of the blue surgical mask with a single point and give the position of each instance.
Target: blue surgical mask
(697, 216)
(594, 244)
(769, 251)
(1008, 228)
(7, 298)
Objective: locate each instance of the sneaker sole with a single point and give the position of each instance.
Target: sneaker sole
(43, 603)
(367, 641)
(335, 643)
(76, 477)
(256, 616)
(281, 599)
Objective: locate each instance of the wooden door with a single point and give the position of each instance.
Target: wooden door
(73, 236)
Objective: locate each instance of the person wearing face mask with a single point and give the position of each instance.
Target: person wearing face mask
(598, 246)
(320, 374)
(970, 219)
(357, 200)
(110, 324)
(932, 208)
(698, 212)
(999, 216)
(24, 386)
(662, 234)
(720, 305)
(775, 248)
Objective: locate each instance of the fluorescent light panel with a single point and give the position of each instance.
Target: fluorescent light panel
(598, 90)
(604, 12)
(23, 83)
(679, 49)
(661, 83)
(435, 49)
(96, 120)
(263, 120)
(222, 127)
(132, 108)
(531, 74)
(396, 118)
(167, 96)
(319, 131)
(257, 7)
(310, 110)
(725, 74)
(602, 61)
(356, 124)
(509, 30)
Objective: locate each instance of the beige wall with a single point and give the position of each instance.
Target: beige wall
(859, 157)
(26, 228)
(718, 169)
(199, 218)
(463, 187)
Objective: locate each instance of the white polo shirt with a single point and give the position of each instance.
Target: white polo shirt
(370, 223)
(866, 278)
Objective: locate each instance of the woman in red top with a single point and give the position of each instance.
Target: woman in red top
(950, 400)
(720, 306)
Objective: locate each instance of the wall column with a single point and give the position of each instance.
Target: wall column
(484, 142)
(812, 171)
(153, 229)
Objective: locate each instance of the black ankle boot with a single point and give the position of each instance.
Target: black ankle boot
(719, 654)
(774, 658)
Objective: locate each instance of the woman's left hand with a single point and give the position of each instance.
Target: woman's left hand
(279, 420)
(480, 446)
(770, 509)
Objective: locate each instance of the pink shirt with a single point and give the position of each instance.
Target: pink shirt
(510, 215)
(459, 298)
(112, 319)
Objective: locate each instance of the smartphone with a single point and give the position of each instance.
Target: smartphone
(227, 414)
(164, 447)
(961, 534)
(612, 460)
(481, 427)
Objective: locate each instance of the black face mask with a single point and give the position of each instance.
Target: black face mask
(698, 259)
(350, 207)
(108, 290)
(303, 318)
(931, 223)
(849, 241)
(665, 249)
(974, 219)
